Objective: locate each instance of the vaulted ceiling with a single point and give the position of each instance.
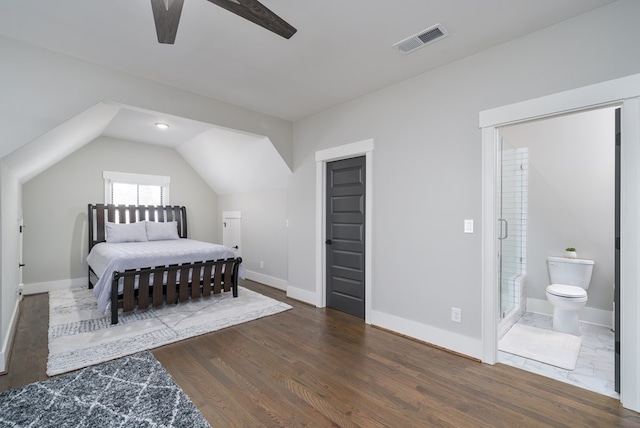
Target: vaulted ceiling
(342, 50)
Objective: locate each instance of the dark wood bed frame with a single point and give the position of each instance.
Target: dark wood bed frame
(218, 275)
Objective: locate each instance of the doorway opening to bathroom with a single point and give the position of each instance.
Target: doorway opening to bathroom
(556, 190)
(625, 92)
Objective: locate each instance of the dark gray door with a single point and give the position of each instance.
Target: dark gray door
(345, 235)
(616, 290)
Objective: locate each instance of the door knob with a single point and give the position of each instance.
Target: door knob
(236, 247)
(328, 242)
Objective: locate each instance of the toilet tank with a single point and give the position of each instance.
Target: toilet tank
(570, 271)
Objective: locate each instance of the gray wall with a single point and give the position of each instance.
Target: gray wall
(571, 196)
(45, 89)
(427, 162)
(264, 231)
(55, 203)
(427, 158)
(10, 213)
(42, 90)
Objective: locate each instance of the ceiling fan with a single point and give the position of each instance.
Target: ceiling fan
(166, 14)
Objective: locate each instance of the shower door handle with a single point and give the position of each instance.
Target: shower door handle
(506, 229)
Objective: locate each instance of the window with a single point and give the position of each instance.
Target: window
(123, 188)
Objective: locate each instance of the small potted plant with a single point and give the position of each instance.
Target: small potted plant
(570, 253)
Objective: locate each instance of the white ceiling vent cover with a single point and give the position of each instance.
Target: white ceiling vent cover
(421, 39)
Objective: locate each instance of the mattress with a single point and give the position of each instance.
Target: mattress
(105, 258)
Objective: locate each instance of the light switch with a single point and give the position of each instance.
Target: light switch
(468, 226)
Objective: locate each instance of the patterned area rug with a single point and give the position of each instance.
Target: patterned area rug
(80, 335)
(134, 391)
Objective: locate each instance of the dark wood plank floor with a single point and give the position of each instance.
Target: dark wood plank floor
(319, 367)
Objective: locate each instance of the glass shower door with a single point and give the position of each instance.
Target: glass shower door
(512, 212)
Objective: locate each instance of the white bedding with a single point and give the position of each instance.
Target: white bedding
(105, 258)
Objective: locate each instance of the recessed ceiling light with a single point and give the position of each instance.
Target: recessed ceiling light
(162, 125)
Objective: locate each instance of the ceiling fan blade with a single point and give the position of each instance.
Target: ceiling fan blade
(259, 14)
(166, 14)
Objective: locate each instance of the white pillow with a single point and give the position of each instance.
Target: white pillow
(126, 232)
(162, 231)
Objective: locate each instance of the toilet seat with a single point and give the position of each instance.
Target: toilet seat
(567, 291)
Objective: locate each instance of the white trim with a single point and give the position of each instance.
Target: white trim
(625, 92)
(442, 338)
(8, 340)
(564, 102)
(232, 214)
(302, 295)
(62, 284)
(489, 249)
(629, 255)
(345, 151)
(271, 281)
(360, 148)
(133, 178)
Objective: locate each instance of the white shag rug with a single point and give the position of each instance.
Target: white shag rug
(80, 335)
(546, 346)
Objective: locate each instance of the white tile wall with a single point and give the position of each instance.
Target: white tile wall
(515, 177)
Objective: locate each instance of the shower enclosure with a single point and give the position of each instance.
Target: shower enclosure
(512, 233)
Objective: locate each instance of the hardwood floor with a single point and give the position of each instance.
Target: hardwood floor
(320, 367)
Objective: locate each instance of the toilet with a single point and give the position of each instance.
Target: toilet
(567, 293)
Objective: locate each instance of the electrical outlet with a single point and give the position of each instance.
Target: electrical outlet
(261, 265)
(456, 314)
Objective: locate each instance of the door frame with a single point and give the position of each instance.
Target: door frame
(360, 148)
(624, 92)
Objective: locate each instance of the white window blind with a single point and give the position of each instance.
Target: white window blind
(136, 189)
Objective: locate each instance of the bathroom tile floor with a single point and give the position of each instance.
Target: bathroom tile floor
(595, 366)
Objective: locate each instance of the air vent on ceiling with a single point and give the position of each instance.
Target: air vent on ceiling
(421, 39)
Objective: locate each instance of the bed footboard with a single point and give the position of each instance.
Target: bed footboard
(172, 284)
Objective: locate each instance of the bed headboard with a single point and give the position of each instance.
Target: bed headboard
(100, 213)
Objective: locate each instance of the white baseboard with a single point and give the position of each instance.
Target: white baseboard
(8, 340)
(587, 314)
(63, 284)
(458, 343)
(305, 296)
(442, 338)
(271, 281)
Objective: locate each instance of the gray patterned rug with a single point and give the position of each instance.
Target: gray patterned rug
(134, 391)
(80, 335)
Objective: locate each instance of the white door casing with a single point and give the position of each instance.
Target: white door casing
(360, 148)
(624, 92)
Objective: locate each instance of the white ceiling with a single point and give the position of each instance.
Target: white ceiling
(343, 49)
(139, 125)
(229, 161)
